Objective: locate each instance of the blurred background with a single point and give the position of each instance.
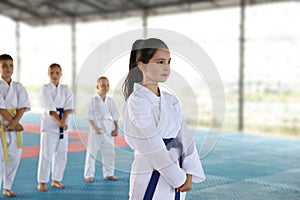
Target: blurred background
(253, 44)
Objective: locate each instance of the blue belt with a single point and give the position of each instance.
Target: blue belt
(61, 129)
(170, 143)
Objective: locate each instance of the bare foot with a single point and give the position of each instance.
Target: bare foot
(89, 179)
(113, 178)
(42, 187)
(57, 184)
(9, 193)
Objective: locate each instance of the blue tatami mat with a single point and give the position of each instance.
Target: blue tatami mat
(241, 167)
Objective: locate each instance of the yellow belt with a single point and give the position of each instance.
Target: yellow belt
(3, 136)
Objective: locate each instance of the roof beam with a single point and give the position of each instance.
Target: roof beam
(214, 3)
(22, 8)
(176, 3)
(93, 5)
(140, 5)
(64, 11)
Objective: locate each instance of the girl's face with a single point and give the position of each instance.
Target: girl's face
(103, 86)
(54, 75)
(158, 68)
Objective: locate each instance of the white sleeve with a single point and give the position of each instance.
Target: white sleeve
(69, 99)
(90, 115)
(191, 163)
(143, 136)
(23, 100)
(2, 102)
(47, 100)
(114, 111)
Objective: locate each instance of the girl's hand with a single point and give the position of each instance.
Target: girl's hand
(187, 185)
(59, 124)
(63, 125)
(97, 129)
(114, 133)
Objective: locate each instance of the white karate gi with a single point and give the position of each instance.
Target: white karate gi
(52, 149)
(147, 120)
(103, 114)
(13, 96)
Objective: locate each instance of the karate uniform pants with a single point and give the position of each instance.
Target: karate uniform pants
(52, 151)
(100, 144)
(8, 169)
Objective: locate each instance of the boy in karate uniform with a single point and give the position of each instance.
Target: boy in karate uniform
(103, 119)
(13, 103)
(57, 99)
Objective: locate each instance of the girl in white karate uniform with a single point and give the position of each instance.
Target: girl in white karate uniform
(103, 119)
(166, 160)
(57, 99)
(13, 103)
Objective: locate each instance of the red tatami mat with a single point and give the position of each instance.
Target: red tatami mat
(77, 146)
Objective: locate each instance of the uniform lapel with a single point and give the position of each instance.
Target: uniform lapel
(157, 107)
(9, 98)
(58, 96)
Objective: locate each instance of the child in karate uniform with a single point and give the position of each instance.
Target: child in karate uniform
(166, 160)
(57, 100)
(13, 103)
(103, 119)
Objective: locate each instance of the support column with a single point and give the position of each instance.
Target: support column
(74, 63)
(145, 23)
(18, 54)
(241, 68)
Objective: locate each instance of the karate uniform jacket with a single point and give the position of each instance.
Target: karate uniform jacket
(52, 98)
(149, 119)
(13, 96)
(103, 113)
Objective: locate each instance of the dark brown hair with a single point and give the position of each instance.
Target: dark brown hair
(5, 57)
(142, 50)
(54, 65)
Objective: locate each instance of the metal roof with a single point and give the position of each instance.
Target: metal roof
(43, 12)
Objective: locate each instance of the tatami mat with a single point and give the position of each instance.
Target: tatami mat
(241, 166)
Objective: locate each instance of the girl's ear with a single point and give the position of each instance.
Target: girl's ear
(141, 66)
